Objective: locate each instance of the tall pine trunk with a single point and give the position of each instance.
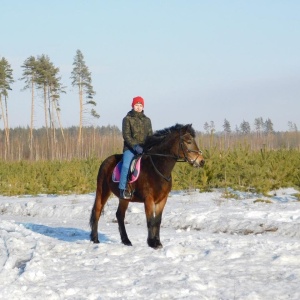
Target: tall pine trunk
(31, 120)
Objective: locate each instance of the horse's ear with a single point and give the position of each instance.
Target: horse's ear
(188, 127)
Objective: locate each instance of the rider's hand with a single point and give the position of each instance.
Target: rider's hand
(138, 149)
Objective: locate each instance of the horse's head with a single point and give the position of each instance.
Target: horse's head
(177, 142)
(188, 149)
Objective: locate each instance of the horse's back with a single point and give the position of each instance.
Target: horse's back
(109, 163)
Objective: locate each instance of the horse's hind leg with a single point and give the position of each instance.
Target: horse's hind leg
(154, 215)
(120, 214)
(102, 194)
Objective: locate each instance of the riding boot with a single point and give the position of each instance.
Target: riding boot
(125, 194)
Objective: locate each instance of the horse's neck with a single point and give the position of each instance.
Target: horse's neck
(164, 164)
(163, 159)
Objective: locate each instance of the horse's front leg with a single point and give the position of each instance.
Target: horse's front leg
(154, 215)
(120, 214)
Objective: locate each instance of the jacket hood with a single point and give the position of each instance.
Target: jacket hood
(134, 113)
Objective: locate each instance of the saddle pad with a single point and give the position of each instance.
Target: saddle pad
(135, 168)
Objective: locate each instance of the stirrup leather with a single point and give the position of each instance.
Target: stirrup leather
(125, 194)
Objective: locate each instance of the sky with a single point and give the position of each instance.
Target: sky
(192, 61)
(214, 248)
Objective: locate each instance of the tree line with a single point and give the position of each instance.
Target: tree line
(39, 73)
(261, 126)
(103, 141)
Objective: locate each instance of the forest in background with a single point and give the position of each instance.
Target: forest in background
(103, 141)
(252, 162)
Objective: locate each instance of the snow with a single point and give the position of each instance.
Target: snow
(214, 248)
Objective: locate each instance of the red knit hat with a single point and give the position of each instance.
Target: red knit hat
(136, 100)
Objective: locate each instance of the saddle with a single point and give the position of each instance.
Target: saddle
(133, 173)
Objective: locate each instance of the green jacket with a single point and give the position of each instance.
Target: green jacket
(136, 126)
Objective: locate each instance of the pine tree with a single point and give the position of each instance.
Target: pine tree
(227, 130)
(30, 77)
(49, 81)
(245, 127)
(226, 126)
(81, 78)
(6, 79)
(206, 127)
(259, 124)
(212, 127)
(268, 126)
(292, 126)
(209, 128)
(43, 74)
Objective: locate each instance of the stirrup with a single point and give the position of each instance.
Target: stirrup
(125, 194)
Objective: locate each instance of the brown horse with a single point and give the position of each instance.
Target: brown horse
(161, 151)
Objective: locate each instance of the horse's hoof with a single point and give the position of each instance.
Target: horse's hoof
(95, 241)
(159, 246)
(127, 242)
(155, 244)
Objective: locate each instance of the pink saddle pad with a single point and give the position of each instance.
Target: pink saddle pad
(135, 169)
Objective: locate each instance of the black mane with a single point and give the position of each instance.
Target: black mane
(160, 135)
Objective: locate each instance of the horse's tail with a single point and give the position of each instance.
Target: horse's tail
(92, 217)
(98, 196)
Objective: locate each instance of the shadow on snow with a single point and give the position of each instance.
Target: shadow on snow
(66, 234)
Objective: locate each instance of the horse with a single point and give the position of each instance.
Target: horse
(161, 152)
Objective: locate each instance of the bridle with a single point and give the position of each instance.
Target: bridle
(185, 158)
(185, 153)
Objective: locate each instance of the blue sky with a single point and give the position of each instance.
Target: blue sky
(193, 61)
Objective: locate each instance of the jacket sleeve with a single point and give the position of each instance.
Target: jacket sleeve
(150, 131)
(127, 134)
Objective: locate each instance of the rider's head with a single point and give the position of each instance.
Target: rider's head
(136, 100)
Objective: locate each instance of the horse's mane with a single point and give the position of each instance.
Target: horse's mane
(162, 134)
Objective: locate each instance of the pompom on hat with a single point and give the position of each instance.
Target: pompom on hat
(136, 100)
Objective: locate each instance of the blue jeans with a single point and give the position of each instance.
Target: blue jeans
(127, 158)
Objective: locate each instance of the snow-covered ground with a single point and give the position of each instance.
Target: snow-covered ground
(214, 248)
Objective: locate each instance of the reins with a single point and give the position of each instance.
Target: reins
(154, 166)
(158, 172)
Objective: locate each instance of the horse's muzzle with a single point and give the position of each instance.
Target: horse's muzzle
(200, 164)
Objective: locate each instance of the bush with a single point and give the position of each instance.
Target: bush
(239, 169)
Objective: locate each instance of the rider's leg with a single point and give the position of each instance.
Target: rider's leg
(127, 158)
